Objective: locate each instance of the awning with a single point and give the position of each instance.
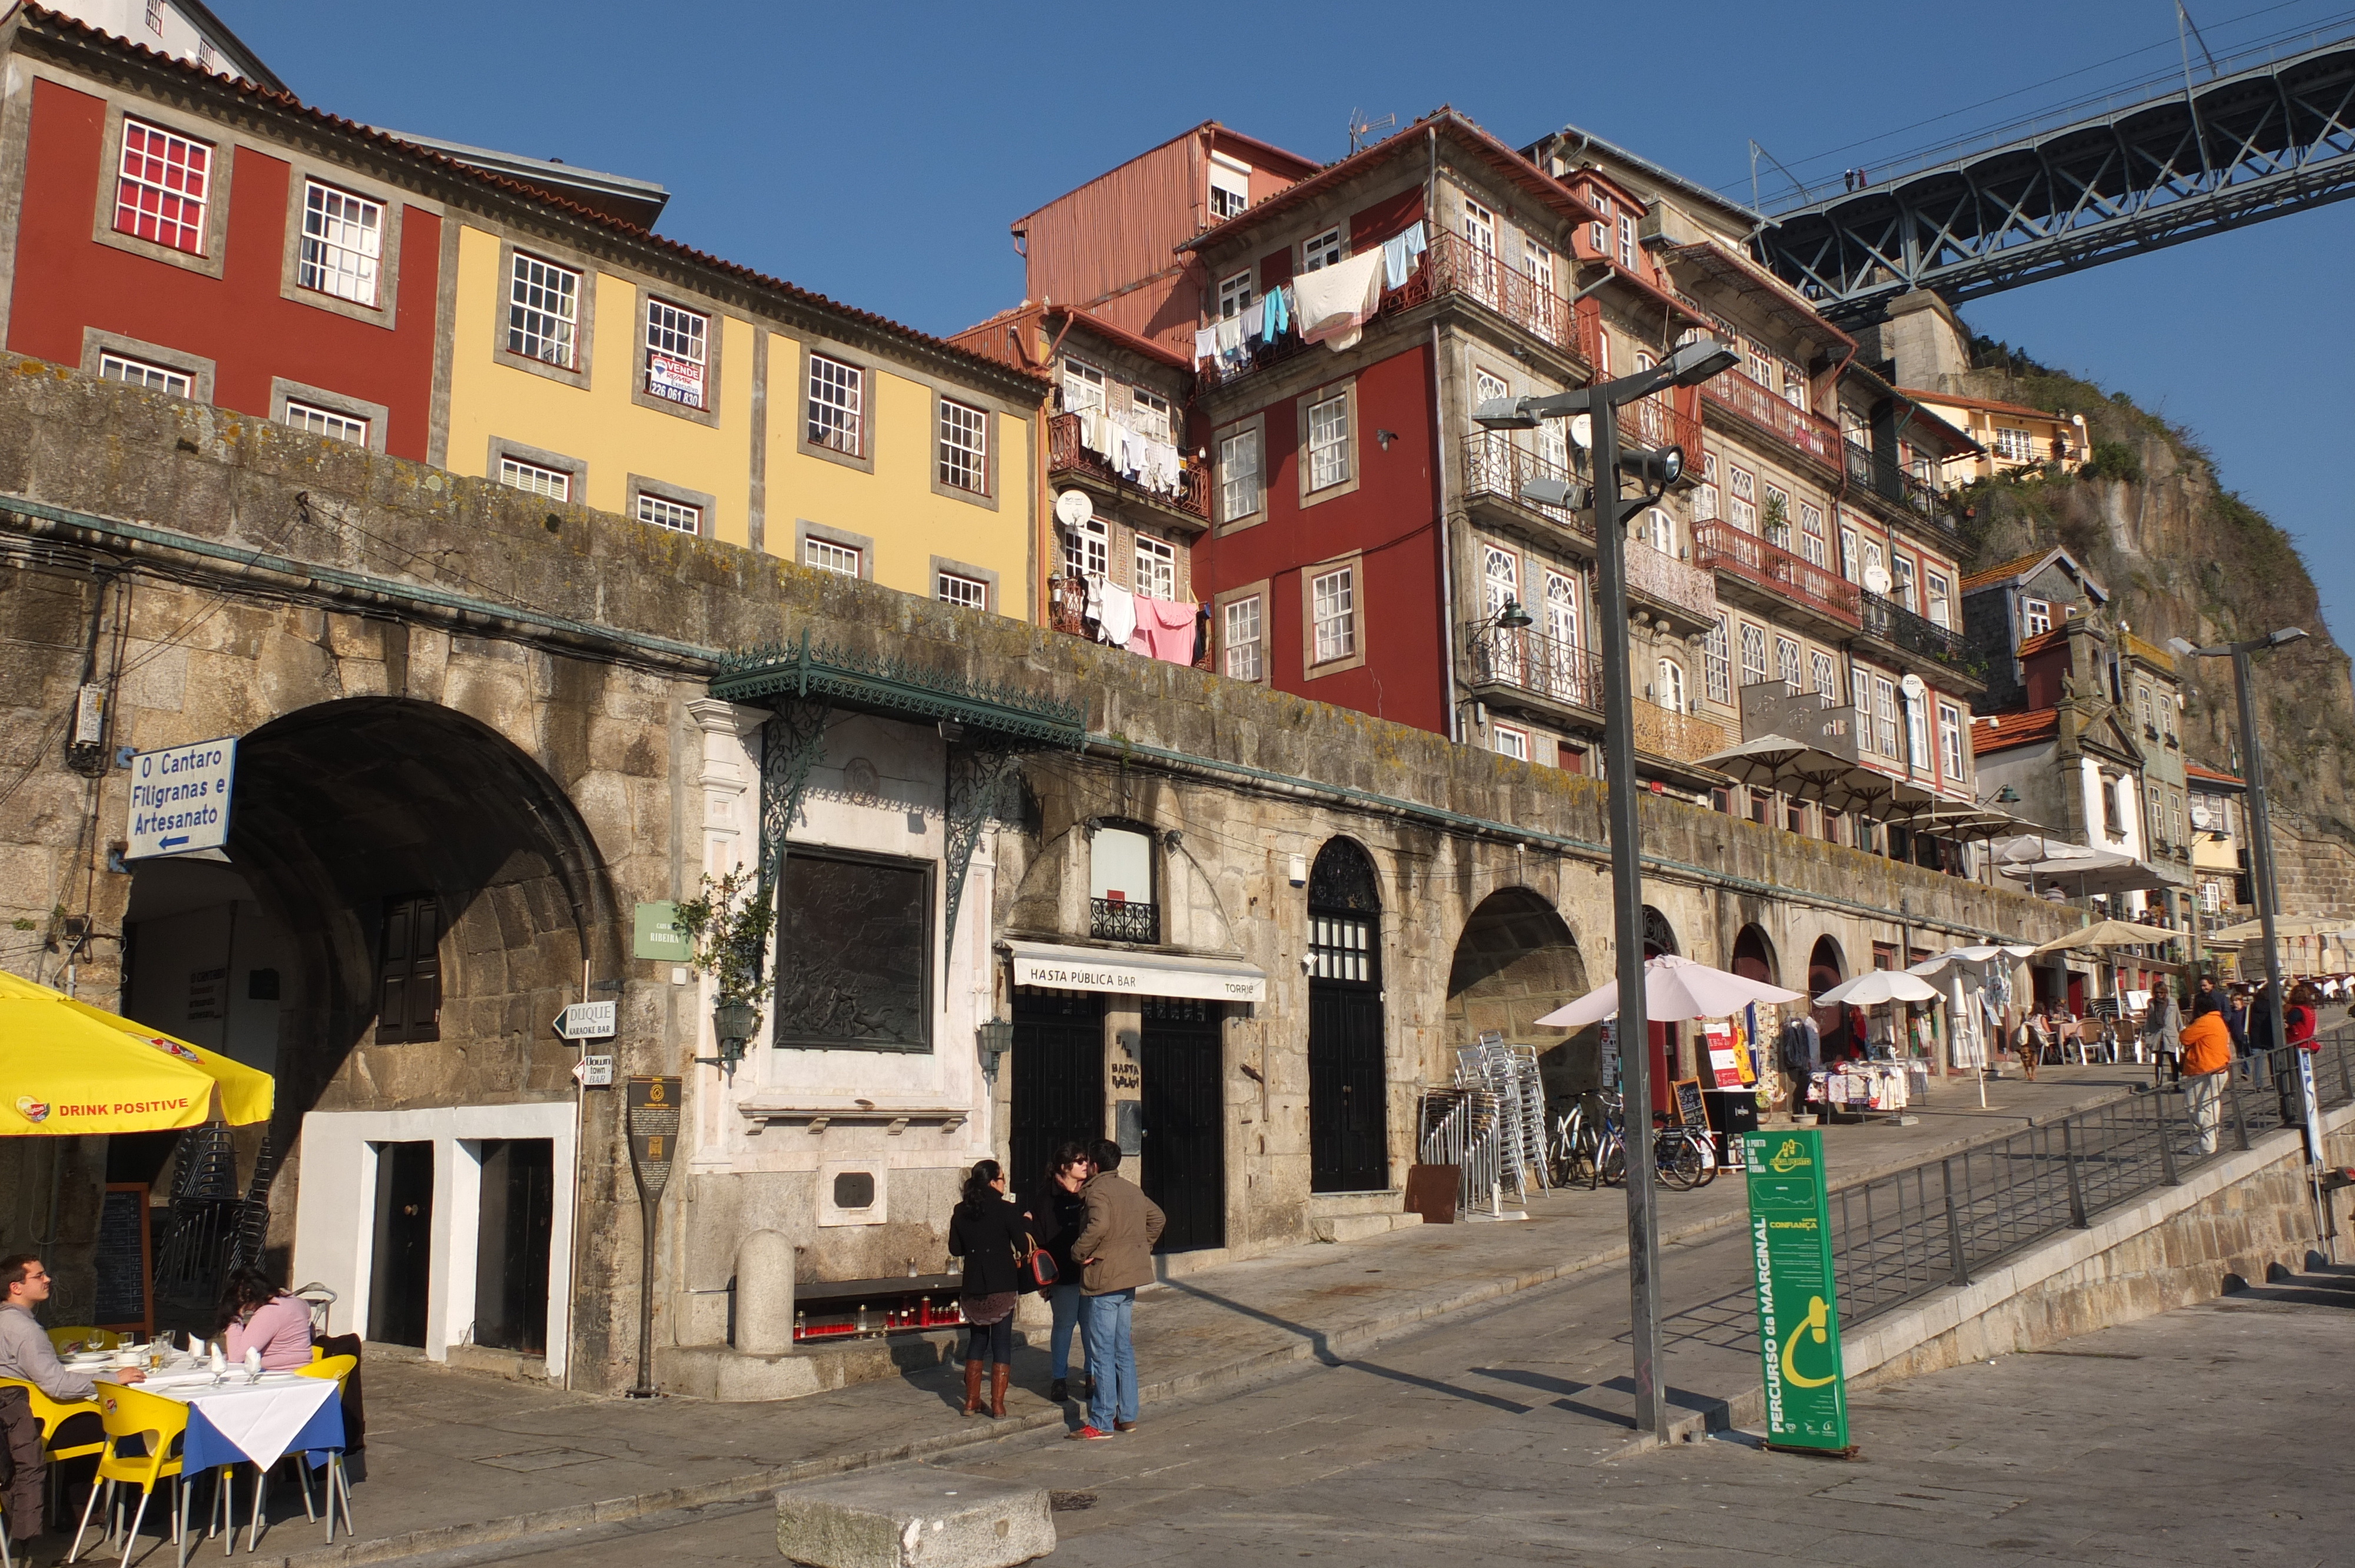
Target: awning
(1137, 974)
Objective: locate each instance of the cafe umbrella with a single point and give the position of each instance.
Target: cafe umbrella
(69, 1069)
(1675, 989)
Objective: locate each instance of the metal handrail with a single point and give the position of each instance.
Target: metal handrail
(1494, 466)
(1124, 920)
(1719, 545)
(1898, 1237)
(1891, 622)
(1528, 659)
(1067, 454)
(1662, 576)
(1803, 429)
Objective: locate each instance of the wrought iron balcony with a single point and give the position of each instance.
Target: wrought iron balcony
(1810, 432)
(1067, 454)
(1720, 546)
(1892, 623)
(1454, 265)
(1531, 662)
(1671, 584)
(1654, 421)
(1679, 737)
(1494, 469)
(1124, 920)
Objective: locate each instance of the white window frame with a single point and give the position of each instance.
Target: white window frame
(1230, 186)
(342, 253)
(1501, 576)
(2014, 444)
(1083, 385)
(1671, 682)
(1329, 442)
(662, 512)
(1509, 740)
(2035, 616)
(1849, 568)
(1826, 670)
(1235, 295)
(1481, 229)
(1323, 251)
(544, 311)
(1741, 498)
(1950, 741)
(1884, 714)
(1240, 492)
(1537, 265)
(152, 192)
(1627, 240)
(122, 368)
(961, 447)
(1333, 618)
(1941, 598)
(1242, 626)
(1716, 665)
(1087, 550)
(1900, 579)
(1812, 545)
(957, 589)
(1786, 665)
(837, 407)
(1151, 412)
(1156, 574)
(1563, 596)
(536, 479)
(320, 420)
(155, 18)
(826, 556)
(684, 336)
(1754, 654)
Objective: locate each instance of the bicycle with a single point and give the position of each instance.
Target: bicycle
(1683, 1158)
(1577, 1138)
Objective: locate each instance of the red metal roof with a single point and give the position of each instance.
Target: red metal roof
(255, 93)
(2011, 568)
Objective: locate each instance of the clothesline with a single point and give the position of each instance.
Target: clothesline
(1155, 464)
(1331, 304)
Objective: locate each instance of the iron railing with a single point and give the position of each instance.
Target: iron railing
(1719, 545)
(1494, 466)
(1808, 432)
(1528, 659)
(1065, 454)
(1894, 624)
(1663, 578)
(1898, 1237)
(1679, 737)
(1124, 920)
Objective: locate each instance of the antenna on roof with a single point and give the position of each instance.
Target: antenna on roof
(1360, 125)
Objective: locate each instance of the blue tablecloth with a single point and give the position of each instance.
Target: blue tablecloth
(205, 1447)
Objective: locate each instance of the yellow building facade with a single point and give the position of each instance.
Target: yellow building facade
(609, 370)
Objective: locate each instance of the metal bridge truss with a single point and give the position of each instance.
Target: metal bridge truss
(2254, 145)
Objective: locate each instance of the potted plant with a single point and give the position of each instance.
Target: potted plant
(728, 924)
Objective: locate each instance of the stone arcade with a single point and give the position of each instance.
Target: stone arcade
(476, 730)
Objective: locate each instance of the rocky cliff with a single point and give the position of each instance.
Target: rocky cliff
(2185, 556)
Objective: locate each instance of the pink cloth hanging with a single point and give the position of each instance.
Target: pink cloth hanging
(1164, 629)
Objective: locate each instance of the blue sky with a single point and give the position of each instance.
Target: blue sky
(876, 153)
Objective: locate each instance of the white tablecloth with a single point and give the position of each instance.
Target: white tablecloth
(259, 1418)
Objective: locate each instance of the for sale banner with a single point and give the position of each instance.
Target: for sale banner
(1798, 1316)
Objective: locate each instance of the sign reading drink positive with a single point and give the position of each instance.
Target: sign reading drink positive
(179, 798)
(1798, 1321)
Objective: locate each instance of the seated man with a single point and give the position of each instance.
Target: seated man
(25, 1352)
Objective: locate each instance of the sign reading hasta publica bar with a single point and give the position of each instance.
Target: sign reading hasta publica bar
(1798, 1319)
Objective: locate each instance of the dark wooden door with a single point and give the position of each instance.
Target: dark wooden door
(400, 1271)
(1057, 1062)
(1348, 1131)
(1184, 1138)
(512, 1247)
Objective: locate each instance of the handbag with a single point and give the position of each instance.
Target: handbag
(1040, 1266)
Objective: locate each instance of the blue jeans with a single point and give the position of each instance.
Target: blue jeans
(1065, 1300)
(1111, 1358)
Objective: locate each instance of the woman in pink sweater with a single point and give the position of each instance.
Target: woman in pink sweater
(255, 1312)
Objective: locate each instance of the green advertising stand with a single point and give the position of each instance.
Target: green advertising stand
(1799, 1309)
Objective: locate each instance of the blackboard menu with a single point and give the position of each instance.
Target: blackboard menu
(1691, 1109)
(122, 1262)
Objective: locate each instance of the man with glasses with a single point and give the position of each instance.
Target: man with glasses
(26, 1354)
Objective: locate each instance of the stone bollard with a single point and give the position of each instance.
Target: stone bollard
(764, 1295)
(914, 1518)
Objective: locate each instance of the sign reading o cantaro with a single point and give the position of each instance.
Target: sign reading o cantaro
(180, 797)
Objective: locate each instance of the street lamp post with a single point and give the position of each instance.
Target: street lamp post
(1656, 470)
(2261, 835)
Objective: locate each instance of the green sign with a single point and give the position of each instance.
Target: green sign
(656, 935)
(1798, 1316)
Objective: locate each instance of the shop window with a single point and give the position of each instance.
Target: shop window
(853, 943)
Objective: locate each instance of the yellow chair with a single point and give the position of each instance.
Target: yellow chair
(338, 1368)
(53, 1414)
(89, 1339)
(159, 1424)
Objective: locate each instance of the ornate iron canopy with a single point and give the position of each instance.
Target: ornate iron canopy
(895, 688)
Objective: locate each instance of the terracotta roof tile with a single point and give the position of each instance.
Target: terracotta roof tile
(2193, 771)
(2042, 640)
(256, 93)
(2003, 731)
(2011, 568)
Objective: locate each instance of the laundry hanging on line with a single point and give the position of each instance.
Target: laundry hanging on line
(1336, 301)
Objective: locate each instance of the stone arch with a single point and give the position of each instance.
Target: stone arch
(1344, 878)
(1753, 954)
(1515, 961)
(1826, 966)
(1349, 1079)
(1660, 936)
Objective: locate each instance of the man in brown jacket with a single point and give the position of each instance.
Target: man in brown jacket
(1115, 1252)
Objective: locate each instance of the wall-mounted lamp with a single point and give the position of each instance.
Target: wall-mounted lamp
(2007, 796)
(733, 1026)
(993, 1040)
(1513, 618)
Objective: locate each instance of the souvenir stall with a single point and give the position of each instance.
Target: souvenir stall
(1877, 1083)
(1976, 982)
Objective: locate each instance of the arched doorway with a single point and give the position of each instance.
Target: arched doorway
(1668, 1049)
(430, 900)
(1349, 1122)
(1753, 954)
(1514, 962)
(1826, 966)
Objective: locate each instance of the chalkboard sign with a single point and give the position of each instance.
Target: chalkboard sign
(123, 1301)
(1691, 1109)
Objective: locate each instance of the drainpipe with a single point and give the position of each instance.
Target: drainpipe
(1446, 534)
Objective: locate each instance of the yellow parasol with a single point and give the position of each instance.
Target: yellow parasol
(67, 1068)
(2111, 934)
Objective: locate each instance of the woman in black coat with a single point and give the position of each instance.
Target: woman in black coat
(994, 1238)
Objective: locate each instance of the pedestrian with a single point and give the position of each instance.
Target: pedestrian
(995, 1240)
(2301, 1019)
(2162, 1025)
(1115, 1248)
(2207, 1057)
(1058, 1216)
(27, 1354)
(2205, 999)
(2236, 1019)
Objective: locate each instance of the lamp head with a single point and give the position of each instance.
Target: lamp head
(1653, 468)
(2180, 647)
(1697, 361)
(1504, 414)
(2007, 796)
(2286, 634)
(1556, 492)
(1513, 618)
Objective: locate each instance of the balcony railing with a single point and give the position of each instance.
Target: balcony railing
(1067, 454)
(1770, 411)
(1542, 665)
(1122, 920)
(1454, 265)
(1494, 466)
(1657, 422)
(1670, 581)
(1720, 546)
(1680, 737)
(1893, 623)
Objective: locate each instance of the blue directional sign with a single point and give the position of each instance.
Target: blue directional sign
(180, 798)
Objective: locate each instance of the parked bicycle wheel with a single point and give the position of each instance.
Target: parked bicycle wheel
(1681, 1164)
(1610, 1163)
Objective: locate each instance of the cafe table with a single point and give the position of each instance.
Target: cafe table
(241, 1421)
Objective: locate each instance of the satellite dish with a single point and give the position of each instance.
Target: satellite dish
(1912, 687)
(1876, 578)
(1073, 509)
(2203, 815)
(1581, 429)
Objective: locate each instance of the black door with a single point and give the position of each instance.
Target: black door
(1058, 1061)
(511, 1248)
(1349, 1132)
(400, 1276)
(1185, 1141)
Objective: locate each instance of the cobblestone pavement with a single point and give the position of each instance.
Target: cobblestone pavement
(2212, 1434)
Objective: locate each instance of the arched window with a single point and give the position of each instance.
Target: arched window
(1672, 685)
(1122, 903)
(1345, 907)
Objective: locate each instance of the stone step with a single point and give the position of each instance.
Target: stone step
(1359, 1227)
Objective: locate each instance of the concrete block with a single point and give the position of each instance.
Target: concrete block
(764, 1294)
(914, 1518)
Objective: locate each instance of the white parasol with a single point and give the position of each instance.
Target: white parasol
(1878, 987)
(1674, 988)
